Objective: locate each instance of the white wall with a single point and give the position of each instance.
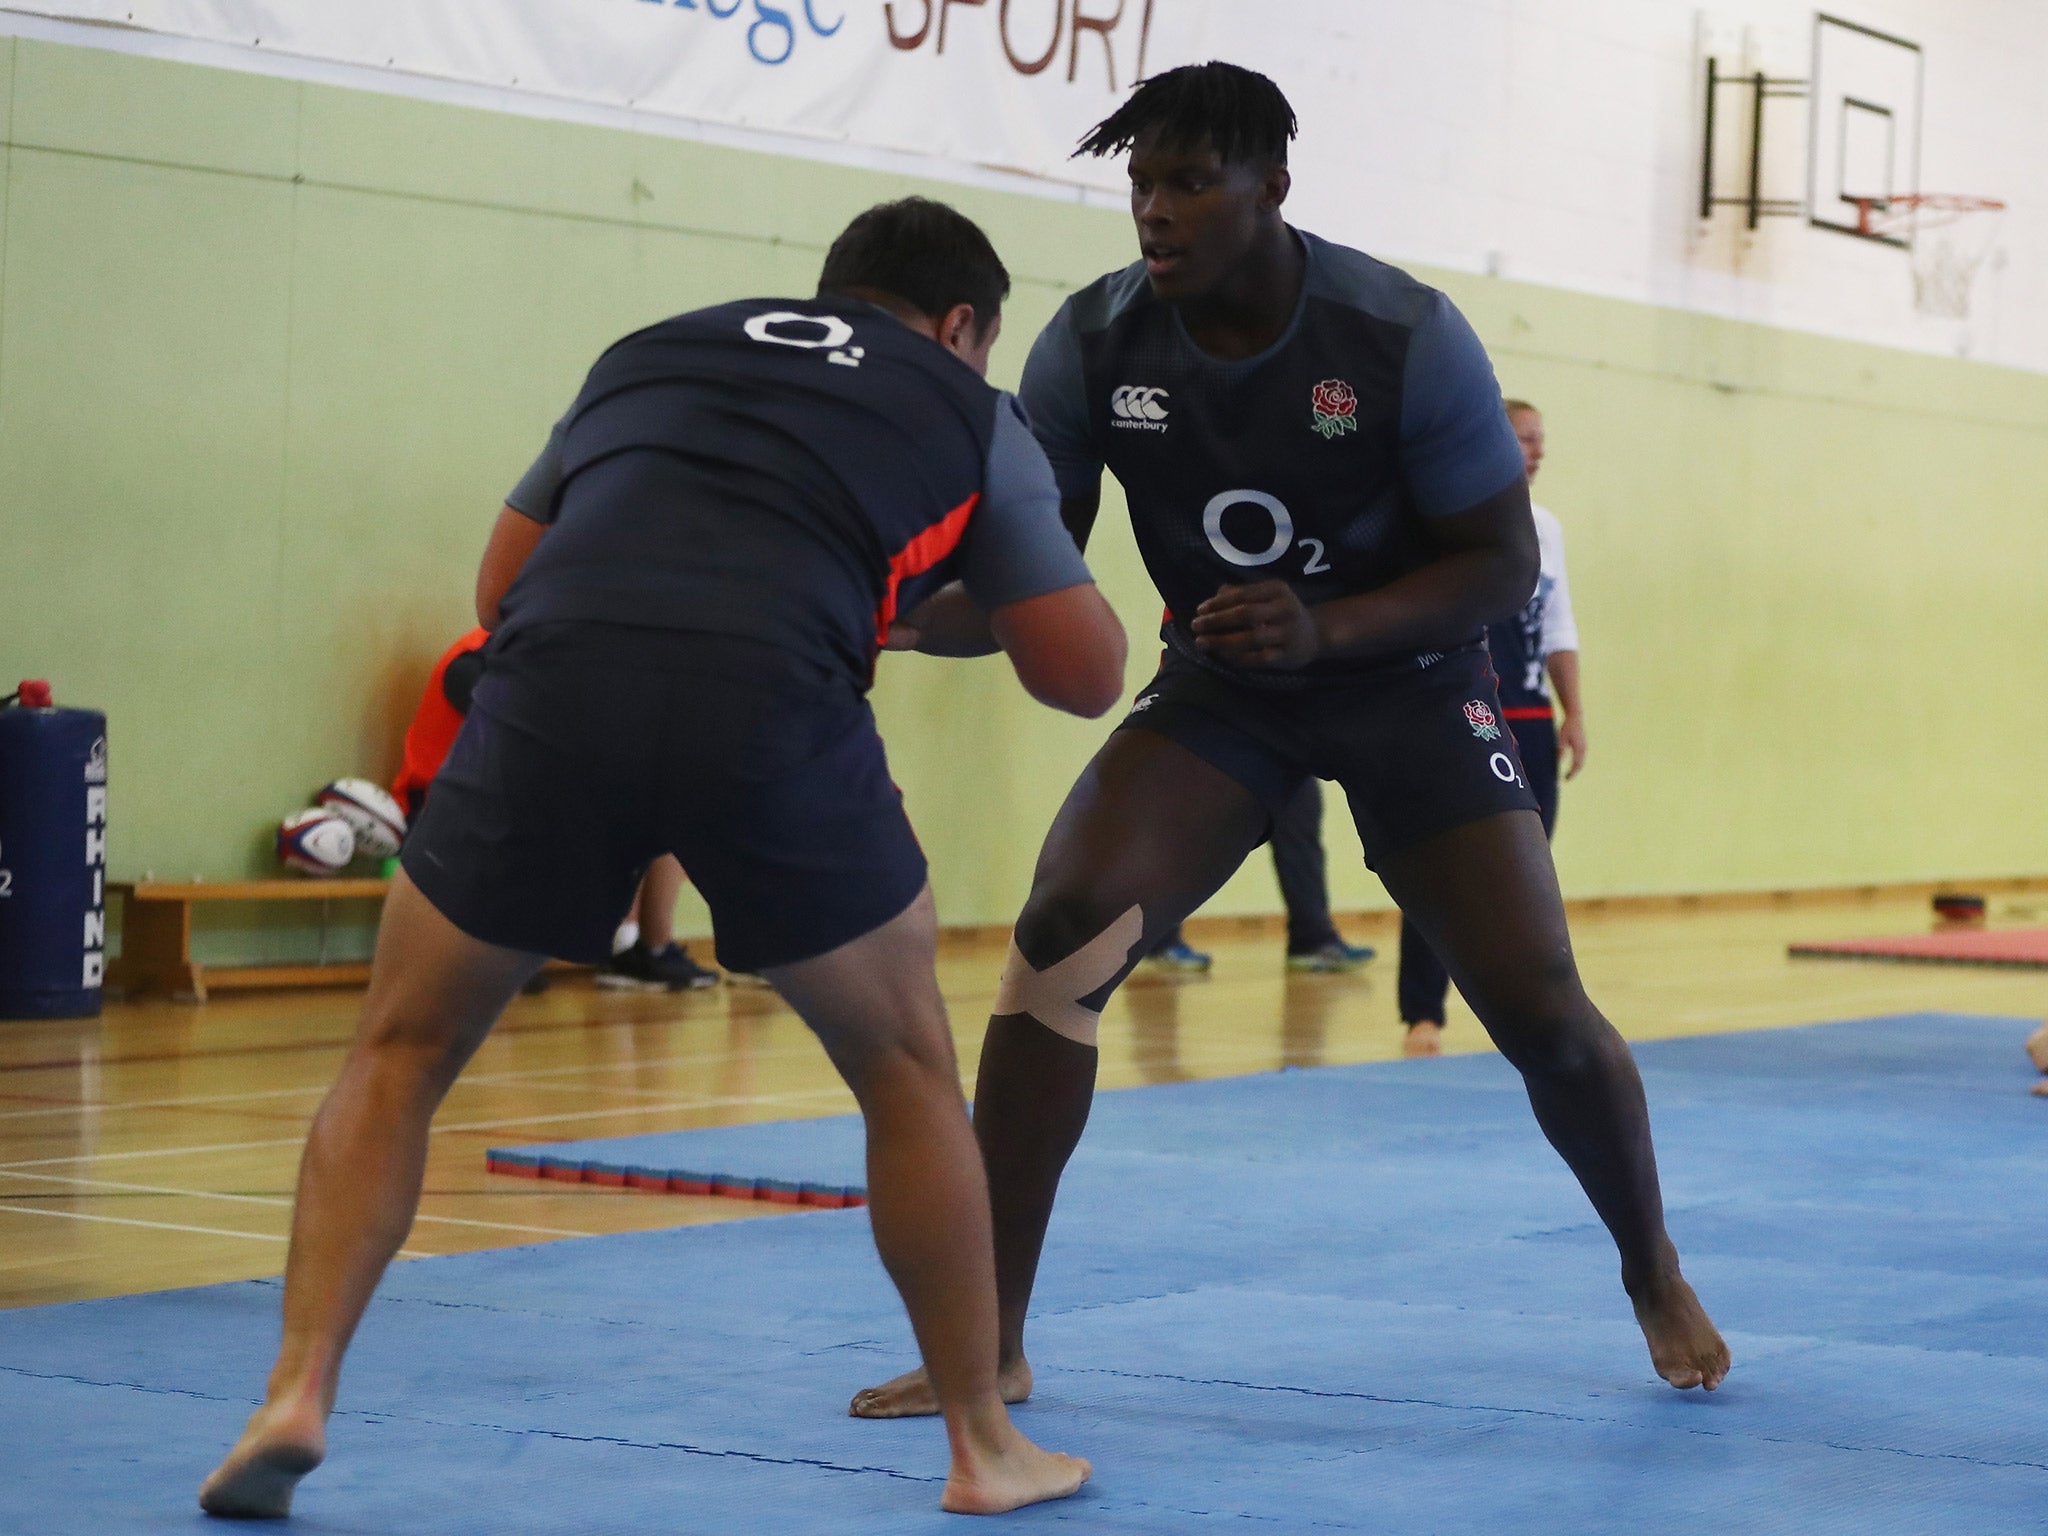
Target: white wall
(1558, 142)
(1552, 141)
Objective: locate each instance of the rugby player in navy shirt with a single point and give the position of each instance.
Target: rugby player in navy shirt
(688, 592)
(1325, 488)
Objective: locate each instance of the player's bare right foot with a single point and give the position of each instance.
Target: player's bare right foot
(256, 1481)
(910, 1396)
(1424, 1039)
(1685, 1346)
(990, 1482)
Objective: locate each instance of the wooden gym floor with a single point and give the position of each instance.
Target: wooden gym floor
(155, 1147)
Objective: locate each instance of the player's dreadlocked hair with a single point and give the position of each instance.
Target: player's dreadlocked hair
(1236, 111)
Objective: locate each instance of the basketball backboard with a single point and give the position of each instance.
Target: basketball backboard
(1863, 144)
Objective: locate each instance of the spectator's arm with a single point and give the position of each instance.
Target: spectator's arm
(1571, 727)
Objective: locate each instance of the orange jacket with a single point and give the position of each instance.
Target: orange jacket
(434, 728)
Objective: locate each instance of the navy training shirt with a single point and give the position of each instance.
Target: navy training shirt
(1316, 462)
(790, 471)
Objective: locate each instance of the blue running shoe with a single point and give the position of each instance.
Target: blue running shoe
(1177, 956)
(1333, 956)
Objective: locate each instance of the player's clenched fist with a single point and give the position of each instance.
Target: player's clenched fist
(1260, 625)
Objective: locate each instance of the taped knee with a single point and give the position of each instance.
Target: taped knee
(1053, 996)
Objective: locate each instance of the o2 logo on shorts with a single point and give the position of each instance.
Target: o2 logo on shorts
(813, 333)
(1283, 532)
(1505, 770)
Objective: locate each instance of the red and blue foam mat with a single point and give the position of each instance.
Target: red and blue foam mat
(1350, 1299)
(826, 1167)
(2022, 947)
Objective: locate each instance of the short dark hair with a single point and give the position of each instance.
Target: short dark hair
(922, 253)
(1515, 407)
(1236, 111)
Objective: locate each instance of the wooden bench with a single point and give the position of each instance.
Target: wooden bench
(156, 936)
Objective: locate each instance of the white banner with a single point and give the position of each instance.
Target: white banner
(1009, 84)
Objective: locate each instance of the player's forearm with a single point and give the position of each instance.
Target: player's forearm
(1433, 608)
(948, 624)
(514, 537)
(1564, 682)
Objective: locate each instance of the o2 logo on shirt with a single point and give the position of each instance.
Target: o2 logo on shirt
(813, 333)
(1282, 540)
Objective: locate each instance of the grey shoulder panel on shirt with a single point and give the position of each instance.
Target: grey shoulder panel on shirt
(1016, 546)
(1364, 283)
(1097, 306)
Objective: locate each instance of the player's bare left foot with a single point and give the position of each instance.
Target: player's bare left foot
(2037, 1049)
(1425, 1038)
(1685, 1347)
(1009, 1473)
(257, 1478)
(910, 1396)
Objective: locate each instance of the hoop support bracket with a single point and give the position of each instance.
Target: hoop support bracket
(1762, 88)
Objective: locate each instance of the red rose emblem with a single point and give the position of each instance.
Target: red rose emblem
(1479, 716)
(1336, 407)
(1333, 397)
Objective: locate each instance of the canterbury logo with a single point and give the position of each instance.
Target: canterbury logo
(1139, 406)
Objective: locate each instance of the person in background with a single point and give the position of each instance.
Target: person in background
(1542, 639)
(653, 958)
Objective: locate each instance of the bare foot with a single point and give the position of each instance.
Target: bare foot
(256, 1481)
(2041, 1090)
(988, 1483)
(910, 1396)
(2037, 1049)
(1424, 1039)
(1685, 1347)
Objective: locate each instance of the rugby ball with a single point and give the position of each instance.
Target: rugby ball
(316, 841)
(374, 817)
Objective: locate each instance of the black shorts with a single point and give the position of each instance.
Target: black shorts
(591, 749)
(1417, 752)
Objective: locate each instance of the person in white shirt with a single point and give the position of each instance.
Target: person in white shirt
(1535, 652)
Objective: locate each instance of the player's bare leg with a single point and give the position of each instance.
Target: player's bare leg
(1486, 897)
(875, 1005)
(434, 995)
(1149, 825)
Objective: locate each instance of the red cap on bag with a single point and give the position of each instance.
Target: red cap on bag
(35, 693)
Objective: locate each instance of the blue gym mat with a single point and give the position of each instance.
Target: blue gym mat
(1349, 1299)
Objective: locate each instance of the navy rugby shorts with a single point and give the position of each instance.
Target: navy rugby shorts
(590, 749)
(1417, 750)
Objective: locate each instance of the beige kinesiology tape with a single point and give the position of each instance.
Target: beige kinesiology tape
(1053, 996)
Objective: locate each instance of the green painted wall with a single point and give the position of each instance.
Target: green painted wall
(271, 353)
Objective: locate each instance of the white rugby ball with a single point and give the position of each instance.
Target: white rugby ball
(316, 840)
(374, 817)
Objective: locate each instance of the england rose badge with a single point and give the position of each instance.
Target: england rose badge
(1336, 408)
(1479, 715)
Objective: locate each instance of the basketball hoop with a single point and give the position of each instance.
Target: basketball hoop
(1943, 267)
